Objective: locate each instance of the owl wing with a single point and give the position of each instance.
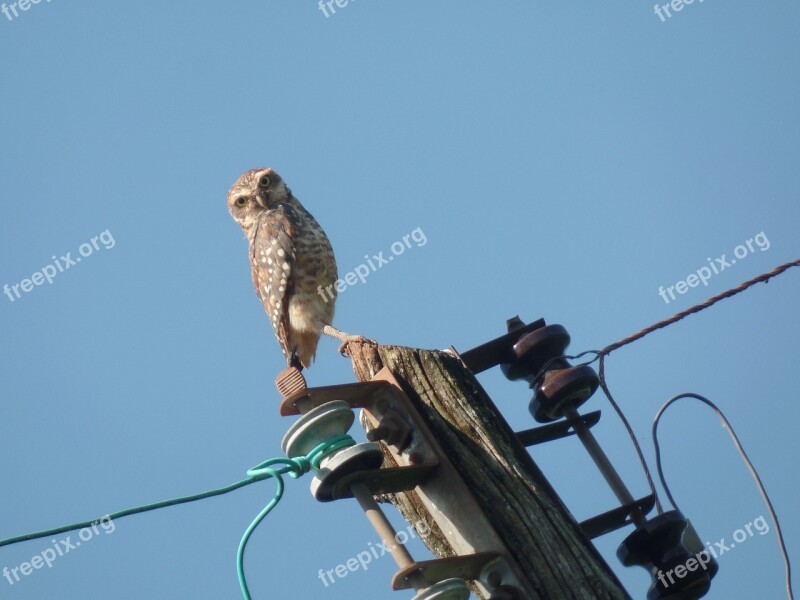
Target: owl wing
(272, 260)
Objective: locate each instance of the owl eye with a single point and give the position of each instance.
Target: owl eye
(264, 182)
(241, 201)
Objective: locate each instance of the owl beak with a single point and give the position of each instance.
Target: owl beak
(261, 199)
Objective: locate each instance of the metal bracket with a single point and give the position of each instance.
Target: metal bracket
(467, 567)
(555, 431)
(617, 518)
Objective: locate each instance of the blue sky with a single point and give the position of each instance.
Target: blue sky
(563, 161)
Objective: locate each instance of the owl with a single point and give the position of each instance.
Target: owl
(291, 260)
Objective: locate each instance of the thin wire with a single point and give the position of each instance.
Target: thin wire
(600, 356)
(602, 373)
(765, 277)
(746, 459)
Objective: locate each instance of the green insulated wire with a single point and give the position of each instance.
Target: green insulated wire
(295, 467)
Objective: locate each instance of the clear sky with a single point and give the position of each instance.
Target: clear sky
(562, 160)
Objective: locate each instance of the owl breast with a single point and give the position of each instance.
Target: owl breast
(315, 270)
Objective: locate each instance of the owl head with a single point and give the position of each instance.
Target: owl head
(256, 191)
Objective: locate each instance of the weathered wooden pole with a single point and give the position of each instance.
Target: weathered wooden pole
(510, 489)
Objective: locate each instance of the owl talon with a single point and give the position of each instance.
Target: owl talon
(355, 339)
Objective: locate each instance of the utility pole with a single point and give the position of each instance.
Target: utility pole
(512, 493)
